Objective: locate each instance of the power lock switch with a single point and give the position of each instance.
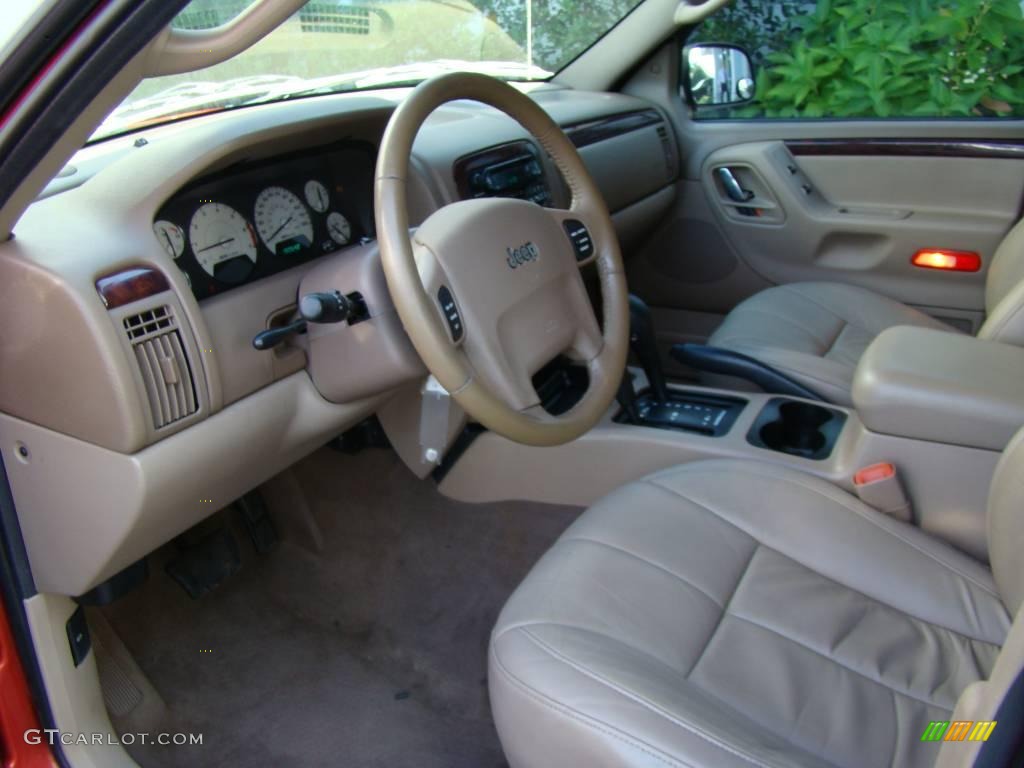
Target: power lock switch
(451, 312)
(580, 239)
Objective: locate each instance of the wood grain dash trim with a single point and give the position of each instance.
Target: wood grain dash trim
(585, 134)
(131, 284)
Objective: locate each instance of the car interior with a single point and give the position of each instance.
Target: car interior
(563, 411)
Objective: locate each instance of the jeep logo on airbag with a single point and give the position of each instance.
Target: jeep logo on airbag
(524, 253)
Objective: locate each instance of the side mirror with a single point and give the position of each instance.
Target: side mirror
(717, 75)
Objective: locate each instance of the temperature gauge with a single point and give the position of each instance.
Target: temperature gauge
(171, 237)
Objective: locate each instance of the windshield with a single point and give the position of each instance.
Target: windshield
(341, 45)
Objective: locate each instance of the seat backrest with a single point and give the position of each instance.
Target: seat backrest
(1004, 291)
(980, 701)
(1006, 524)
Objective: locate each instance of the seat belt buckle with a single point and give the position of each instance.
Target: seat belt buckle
(879, 486)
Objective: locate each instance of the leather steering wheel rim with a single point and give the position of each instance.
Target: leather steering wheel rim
(420, 314)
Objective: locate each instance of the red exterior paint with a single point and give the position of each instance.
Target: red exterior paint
(17, 712)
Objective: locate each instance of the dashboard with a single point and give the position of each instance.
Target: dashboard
(257, 219)
(176, 248)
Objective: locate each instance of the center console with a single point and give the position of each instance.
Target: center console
(703, 413)
(783, 425)
(938, 407)
(941, 387)
(797, 428)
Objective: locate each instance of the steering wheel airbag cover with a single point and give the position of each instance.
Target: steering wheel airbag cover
(470, 375)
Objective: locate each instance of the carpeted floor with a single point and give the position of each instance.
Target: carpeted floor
(371, 652)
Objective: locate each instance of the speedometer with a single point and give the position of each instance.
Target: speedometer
(222, 242)
(283, 221)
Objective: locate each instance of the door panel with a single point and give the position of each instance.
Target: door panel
(880, 190)
(859, 219)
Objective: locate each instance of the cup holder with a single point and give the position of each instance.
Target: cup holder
(797, 428)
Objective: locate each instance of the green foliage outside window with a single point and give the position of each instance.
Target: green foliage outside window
(878, 58)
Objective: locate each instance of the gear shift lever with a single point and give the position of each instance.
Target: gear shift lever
(645, 345)
(687, 410)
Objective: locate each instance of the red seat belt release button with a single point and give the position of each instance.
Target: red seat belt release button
(879, 486)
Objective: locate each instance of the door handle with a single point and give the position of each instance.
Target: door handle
(732, 186)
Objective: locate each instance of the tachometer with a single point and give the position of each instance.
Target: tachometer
(223, 242)
(339, 228)
(283, 221)
(316, 196)
(171, 237)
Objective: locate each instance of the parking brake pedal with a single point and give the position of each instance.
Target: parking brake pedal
(258, 522)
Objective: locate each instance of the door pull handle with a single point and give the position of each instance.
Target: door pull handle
(732, 186)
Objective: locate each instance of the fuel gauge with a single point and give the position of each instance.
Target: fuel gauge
(339, 228)
(317, 196)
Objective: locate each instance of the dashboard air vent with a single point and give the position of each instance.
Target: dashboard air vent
(163, 364)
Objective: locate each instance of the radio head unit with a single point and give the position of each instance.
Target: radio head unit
(510, 170)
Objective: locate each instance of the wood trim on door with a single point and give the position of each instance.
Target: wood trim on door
(966, 148)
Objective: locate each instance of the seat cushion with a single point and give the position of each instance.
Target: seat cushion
(731, 613)
(815, 332)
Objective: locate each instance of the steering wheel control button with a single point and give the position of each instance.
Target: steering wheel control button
(580, 239)
(451, 312)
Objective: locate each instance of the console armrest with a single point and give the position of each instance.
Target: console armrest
(943, 387)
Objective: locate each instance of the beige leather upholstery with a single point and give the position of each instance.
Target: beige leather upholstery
(941, 387)
(1006, 523)
(1006, 271)
(815, 333)
(731, 613)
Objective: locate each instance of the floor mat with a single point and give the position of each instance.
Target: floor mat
(369, 653)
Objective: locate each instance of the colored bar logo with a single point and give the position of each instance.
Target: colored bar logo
(958, 730)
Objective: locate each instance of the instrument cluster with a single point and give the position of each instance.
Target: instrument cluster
(256, 219)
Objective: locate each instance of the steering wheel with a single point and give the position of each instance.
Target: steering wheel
(489, 290)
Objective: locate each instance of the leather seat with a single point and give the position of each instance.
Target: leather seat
(815, 333)
(732, 613)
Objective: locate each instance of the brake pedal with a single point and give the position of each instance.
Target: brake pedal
(205, 565)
